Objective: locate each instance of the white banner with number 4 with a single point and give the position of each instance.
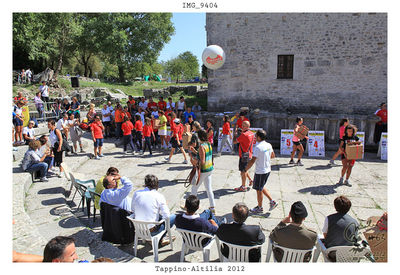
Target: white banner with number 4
(316, 143)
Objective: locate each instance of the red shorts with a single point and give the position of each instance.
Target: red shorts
(352, 161)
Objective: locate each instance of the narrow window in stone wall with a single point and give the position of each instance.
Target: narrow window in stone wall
(285, 66)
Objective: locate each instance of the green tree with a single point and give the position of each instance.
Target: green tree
(129, 38)
(204, 71)
(191, 65)
(176, 68)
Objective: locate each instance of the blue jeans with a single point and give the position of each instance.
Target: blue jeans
(162, 226)
(49, 161)
(208, 215)
(41, 166)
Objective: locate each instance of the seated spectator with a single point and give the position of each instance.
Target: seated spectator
(28, 132)
(188, 113)
(290, 232)
(60, 250)
(32, 162)
(99, 185)
(45, 149)
(196, 107)
(205, 222)
(150, 205)
(241, 234)
(340, 229)
(114, 196)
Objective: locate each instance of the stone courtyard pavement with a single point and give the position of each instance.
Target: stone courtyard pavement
(314, 184)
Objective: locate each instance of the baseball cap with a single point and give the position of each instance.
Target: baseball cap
(177, 120)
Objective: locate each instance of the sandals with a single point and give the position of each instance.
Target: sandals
(241, 189)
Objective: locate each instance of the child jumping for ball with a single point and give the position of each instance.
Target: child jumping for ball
(147, 133)
(348, 139)
(296, 143)
(343, 124)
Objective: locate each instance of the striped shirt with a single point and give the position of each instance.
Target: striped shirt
(208, 165)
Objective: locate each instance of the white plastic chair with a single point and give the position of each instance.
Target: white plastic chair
(142, 231)
(344, 254)
(290, 255)
(192, 241)
(237, 253)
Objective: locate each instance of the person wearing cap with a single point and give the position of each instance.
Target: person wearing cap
(28, 132)
(176, 137)
(290, 232)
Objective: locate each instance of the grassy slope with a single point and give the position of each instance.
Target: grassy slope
(134, 89)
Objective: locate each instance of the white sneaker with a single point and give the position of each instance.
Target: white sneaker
(185, 161)
(331, 162)
(167, 159)
(97, 157)
(101, 155)
(219, 154)
(44, 179)
(125, 152)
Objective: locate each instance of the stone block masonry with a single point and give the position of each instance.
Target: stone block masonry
(340, 62)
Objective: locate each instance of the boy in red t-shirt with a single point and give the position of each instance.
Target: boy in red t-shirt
(226, 133)
(147, 133)
(127, 128)
(176, 137)
(97, 129)
(161, 104)
(139, 130)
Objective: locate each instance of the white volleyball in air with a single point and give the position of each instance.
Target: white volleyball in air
(213, 57)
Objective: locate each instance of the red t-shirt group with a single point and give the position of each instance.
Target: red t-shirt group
(96, 130)
(147, 130)
(127, 128)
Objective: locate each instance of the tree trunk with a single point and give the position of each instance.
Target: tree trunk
(90, 72)
(121, 74)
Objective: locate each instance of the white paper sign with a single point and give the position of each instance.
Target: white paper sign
(316, 143)
(384, 146)
(286, 141)
(361, 136)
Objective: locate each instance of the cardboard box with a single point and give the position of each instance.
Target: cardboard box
(186, 137)
(156, 123)
(302, 132)
(377, 240)
(354, 151)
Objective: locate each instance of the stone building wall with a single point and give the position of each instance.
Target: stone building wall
(340, 62)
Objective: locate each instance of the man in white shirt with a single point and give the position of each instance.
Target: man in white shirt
(44, 90)
(28, 132)
(262, 155)
(28, 74)
(143, 103)
(62, 125)
(114, 196)
(106, 117)
(150, 205)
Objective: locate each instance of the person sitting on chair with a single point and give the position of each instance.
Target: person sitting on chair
(114, 196)
(290, 232)
(241, 234)
(340, 229)
(150, 205)
(204, 222)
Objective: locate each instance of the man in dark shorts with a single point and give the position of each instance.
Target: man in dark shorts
(262, 155)
(245, 141)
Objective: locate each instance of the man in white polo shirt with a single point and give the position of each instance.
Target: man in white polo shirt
(28, 132)
(262, 155)
(106, 117)
(150, 205)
